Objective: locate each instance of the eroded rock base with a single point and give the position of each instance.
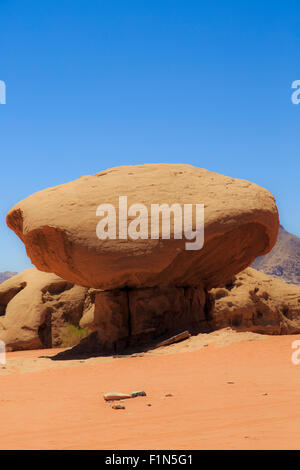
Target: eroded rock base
(126, 319)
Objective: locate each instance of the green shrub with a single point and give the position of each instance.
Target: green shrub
(71, 335)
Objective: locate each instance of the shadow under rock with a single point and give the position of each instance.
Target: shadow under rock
(129, 347)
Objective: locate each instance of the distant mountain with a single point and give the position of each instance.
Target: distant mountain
(6, 275)
(283, 262)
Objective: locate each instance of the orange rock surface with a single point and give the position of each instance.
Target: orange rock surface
(35, 307)
(58, 228)
(254, 301)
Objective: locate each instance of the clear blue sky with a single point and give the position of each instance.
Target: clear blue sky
(94, 84)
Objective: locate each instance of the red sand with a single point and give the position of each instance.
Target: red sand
(63, 408)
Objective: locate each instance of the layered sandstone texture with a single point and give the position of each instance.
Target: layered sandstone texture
(58, 228)
(36, 310)
(41, 310)
(254, 301)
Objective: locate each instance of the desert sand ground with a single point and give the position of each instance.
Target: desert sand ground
(229, 391)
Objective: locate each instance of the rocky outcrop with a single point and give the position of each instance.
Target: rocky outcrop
(254, 301)
(58, 228)
(36, 307)
(283, 262)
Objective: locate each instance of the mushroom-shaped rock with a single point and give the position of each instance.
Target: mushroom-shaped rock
(58, 228)
(36, 309)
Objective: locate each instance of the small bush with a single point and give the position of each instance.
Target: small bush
(71, 335)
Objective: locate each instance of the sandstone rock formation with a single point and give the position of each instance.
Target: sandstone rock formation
(35, 307)
(58, 228)
(145, 289)
(251, 301)
(128, 318)
(283, 262)
(254, 301)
